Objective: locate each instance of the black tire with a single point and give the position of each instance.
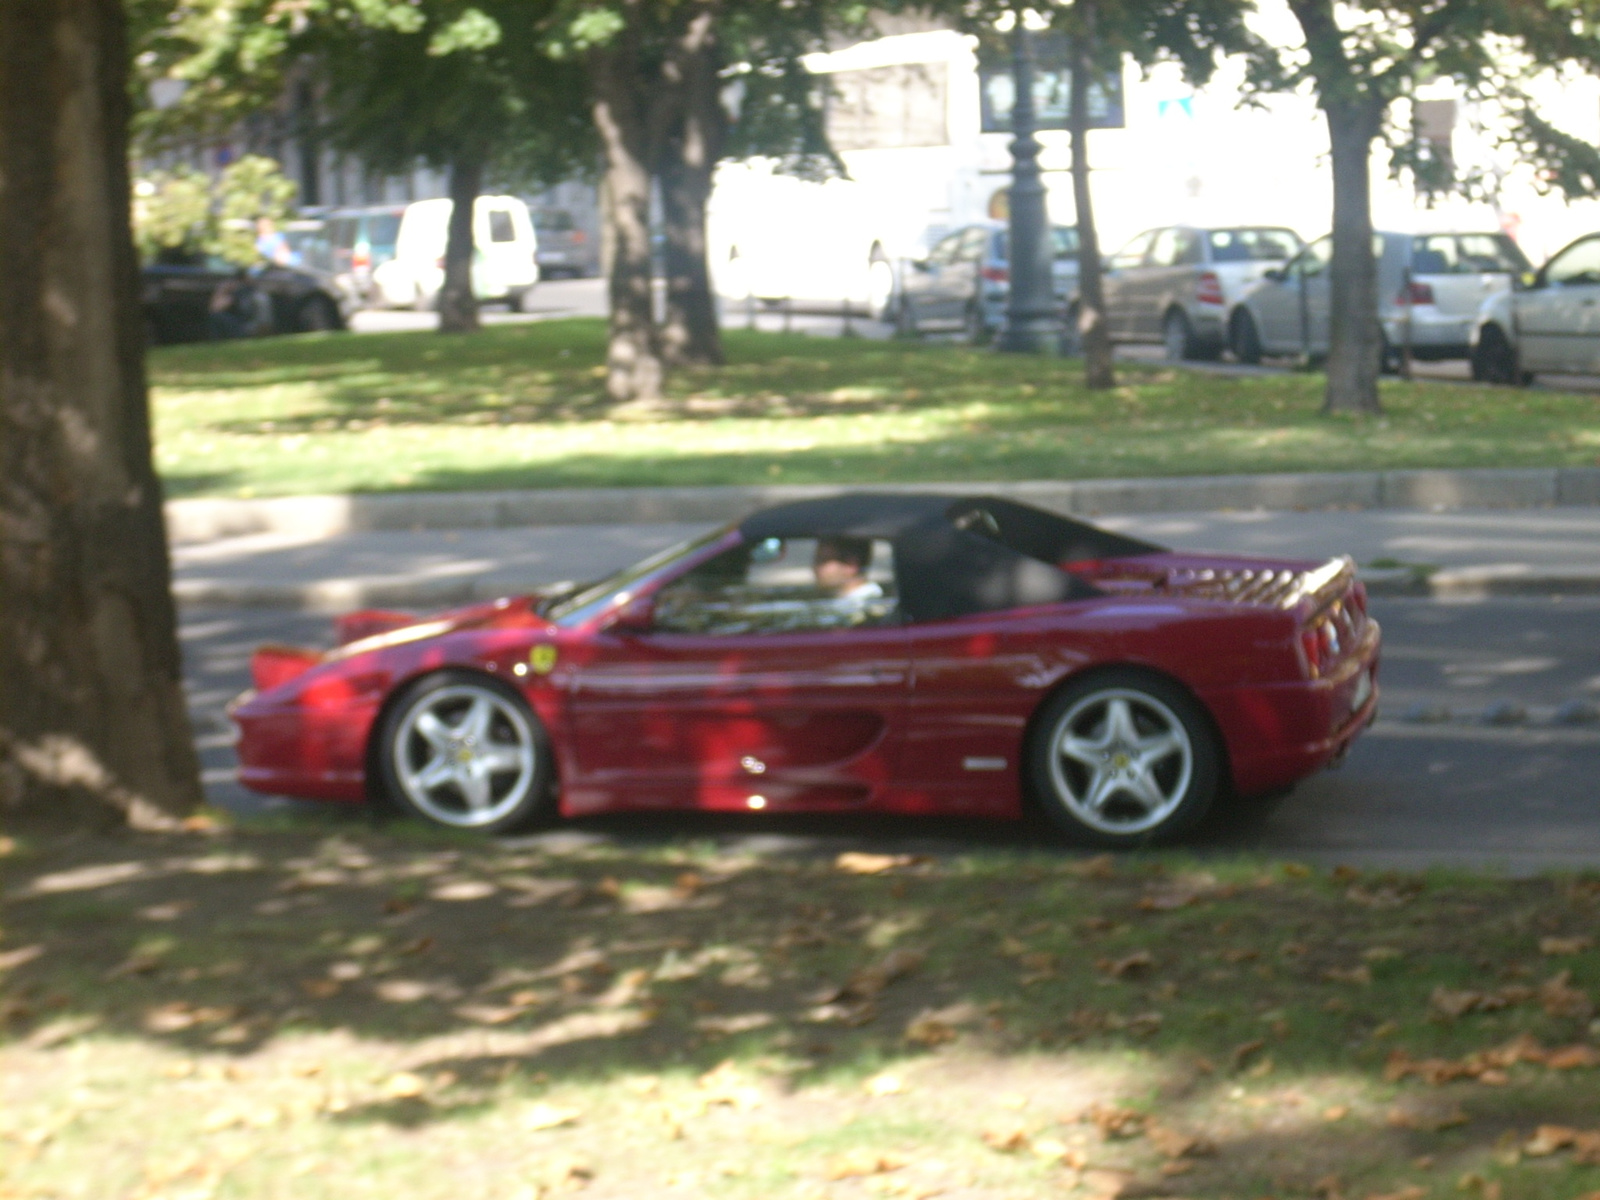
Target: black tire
(1494, 360)
(973, 331)
(1245, 338)
(318, 314)
(433, 775)
(1109, 803)
(517, 301)
(1177, 336)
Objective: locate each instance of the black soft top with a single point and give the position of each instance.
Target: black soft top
(956, 555)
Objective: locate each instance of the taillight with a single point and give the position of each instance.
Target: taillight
(1415, 293)
(579, 237)
(361, 256)
(996, 274)
(1209, 289)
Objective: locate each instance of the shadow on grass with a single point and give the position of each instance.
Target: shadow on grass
(1231, 994)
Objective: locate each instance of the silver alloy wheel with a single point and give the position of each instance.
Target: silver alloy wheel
(1121, 761)
(464, 755)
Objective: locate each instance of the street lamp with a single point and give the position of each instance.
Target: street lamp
(1033, 325)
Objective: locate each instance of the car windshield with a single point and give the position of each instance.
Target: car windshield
(577, 607)
(552, 220)
(1253, 245)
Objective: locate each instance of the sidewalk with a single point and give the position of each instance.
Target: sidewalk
(1462, 552)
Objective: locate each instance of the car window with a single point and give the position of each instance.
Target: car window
(382, 230)
(945, 250)
(1133, 254)
(500, 227)
(1252, 245)
(972, 242)
(1480, 252)
(1313, 260)
(1167, 249)
(1576, 264)
(783, 585)
(1063, 238)
(552, 220)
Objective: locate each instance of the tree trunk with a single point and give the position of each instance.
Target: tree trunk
(633, 362)
(93, 724)
(458, 307)
(1355, 338)
(691, 334)
(1091, 332)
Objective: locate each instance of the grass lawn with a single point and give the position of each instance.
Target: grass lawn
(523, 406)
(326, 1010)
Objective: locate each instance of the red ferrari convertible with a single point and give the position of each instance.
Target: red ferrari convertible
(878, 652)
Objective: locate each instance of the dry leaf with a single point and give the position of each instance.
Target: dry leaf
(1133, 964)
(854, 862)
(1569, 1058)
(861, 1163)
(1007, 1138)
(886, 1084)
(1114, 1122)
(1336, 1112)
(1243, 1051)
(404, 1085)
(1101, 866)
(1401, 1118)
(549, 1116)
(930, 1031)
(1361, 975)
(1547, 1139)
(1406, 1193)
(1559, 999)
(1565, 945)
(1175, 1144)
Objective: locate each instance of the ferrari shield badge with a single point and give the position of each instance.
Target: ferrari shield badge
(542, 658)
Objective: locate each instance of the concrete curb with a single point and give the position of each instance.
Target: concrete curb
(203, 520)
(345, 595)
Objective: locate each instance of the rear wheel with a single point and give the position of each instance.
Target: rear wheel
(1245, 337)
(1123, 758)
(1177, 338)
(1494, 360)
(464, 751)
(318, 314)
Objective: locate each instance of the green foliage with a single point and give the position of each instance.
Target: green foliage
(184, 210)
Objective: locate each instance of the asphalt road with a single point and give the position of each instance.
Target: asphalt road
(1469, 762)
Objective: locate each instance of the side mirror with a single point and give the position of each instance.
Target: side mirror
(637, 615)
(1275, 274)
(922, 265)
(1525, 282)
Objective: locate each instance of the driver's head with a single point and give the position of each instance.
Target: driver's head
(841, 562)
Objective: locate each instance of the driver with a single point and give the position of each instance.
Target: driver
(840, 565)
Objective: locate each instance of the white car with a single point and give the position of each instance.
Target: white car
(1430, 287)
(505, 263)
(1547, 322)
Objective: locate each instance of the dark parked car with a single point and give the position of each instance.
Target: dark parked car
(564, 249)
(964, 280)
(199, 297)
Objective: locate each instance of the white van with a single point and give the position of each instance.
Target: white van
(505, 263)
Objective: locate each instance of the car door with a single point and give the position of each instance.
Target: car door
(932, 294)
(1121, 281)
(1278, 305)
(961, 279)
(752, 688)
(1150, 286)
(1558, 325)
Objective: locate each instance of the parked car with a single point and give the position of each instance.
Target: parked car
(1430, 287)
(564, 249)
(767, 666)
(964, 280)
(1548, 321)
(192, 297)
(505, 263)
(356, 242)
(1178, 286)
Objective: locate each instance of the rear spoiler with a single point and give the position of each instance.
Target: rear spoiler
(272, 666)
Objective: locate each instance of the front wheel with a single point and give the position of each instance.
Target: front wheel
(464, 750)
(1494, 360)
(1246, 338)
(1123, 758)
(318, 314)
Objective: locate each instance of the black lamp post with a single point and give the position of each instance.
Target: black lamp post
(1033, 325)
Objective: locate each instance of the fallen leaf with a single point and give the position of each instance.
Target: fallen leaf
(1174, 1143)
(1336, 1112)
(1006, 1138)
(1406, 1193)
(1569, 1058)
(1101, 866)
(930, 1031)
(1547, 1139)
(405, 1085)
(1559, 999)
(1114, 1122)
(548, 1116)
(855, 862)
(1133, 964)
(1565, 945)
(1361, 975)
(1242, 1052)
(1424, 1122)
(862, 1163)
(320, 989)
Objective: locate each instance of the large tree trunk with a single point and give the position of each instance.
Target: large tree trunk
(93, 723)
(633, 361)
(1355, 338)
(458, 307)
(691, 334)
(1091, 332)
